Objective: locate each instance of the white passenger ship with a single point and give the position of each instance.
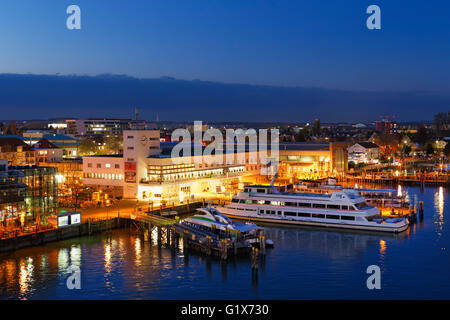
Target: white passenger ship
(340, 209)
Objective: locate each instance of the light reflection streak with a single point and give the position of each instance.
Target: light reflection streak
(63, 259)
(26, 269)
(75, 255)
(137, 247)
(439, 205)
(108, 267)
(382, 248)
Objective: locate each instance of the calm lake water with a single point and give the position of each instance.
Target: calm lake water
(305, 264)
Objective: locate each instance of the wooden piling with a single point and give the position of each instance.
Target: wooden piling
(208, 245)
(421, 209)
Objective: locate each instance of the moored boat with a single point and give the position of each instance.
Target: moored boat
(211, 222)
(343, 208)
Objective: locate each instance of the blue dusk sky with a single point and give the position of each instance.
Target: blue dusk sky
(316, 45)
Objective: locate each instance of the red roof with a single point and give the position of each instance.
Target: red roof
(11, 144)
(45, 144)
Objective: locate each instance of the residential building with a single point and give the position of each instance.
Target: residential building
(364, 152)
(104, 173)
(16, 151)
(47, 152)
(100, 126)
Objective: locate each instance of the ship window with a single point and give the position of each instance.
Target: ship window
(291, 204)
(318, 205)
(267, 202)
(307, 205)
(260, 201)
(241, 201)
(248, 201)
(362, 206)
(317, 215)
(351, 208)
(344, 207)
(291, 214)
(261, 211)
(261, 190)
(348, 218)
(301, 214)
(235, 200)
(246, 190)
(333, 206)
(279, 213)
(332, 216)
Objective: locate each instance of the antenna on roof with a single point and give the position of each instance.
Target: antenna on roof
(275, 174)
(136, 111)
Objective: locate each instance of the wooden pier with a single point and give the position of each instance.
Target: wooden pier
(170, 233)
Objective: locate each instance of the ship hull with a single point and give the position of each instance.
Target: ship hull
(318, 224)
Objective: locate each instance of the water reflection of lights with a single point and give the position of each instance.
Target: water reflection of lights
(382, 248)
(154, 236)
(441, 202)
(25, 274)
(137, 246)
(63, 259)
(439, 205)
(108, 268)
(75, 255)
(399, 191)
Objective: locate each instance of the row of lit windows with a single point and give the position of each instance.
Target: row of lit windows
(295, 204)
(179, 166)
(107, 165)
(302, 214)
(196, 174)
(109, 176)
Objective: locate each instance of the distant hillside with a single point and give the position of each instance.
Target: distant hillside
(44, 96)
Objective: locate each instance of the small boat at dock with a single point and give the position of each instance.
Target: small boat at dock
(211, 222)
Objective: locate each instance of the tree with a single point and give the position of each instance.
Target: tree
(447, 149)
(422, 135)
(430, 149)
(441, 122)
(87, 147)
(301, 136)
(316, 127)
(113, 144)
(406, 149)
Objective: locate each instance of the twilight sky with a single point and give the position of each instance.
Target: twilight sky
(323, 44)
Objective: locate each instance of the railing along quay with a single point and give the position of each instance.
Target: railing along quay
(392, 178)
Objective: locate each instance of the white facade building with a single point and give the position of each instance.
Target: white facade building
(104, 173)
(366, 152)
(138, 145)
